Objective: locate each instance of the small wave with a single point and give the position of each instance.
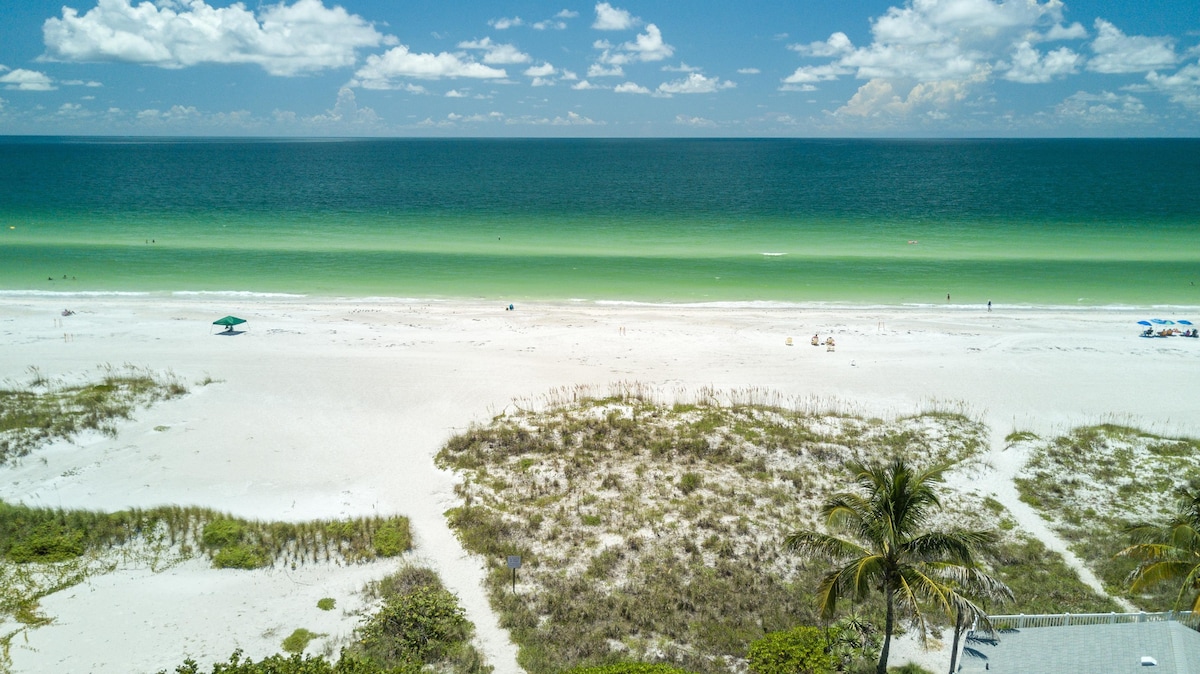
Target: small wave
(72, 293)
(773, 254)
(234, 293)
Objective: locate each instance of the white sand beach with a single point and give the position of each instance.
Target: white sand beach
(335, 408)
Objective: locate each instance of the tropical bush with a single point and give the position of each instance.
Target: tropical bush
(800, 650)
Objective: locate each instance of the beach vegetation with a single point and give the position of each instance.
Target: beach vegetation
(890, 549)
(298, 640)
(1168, 553)
(326, 603)
(619, 563)
(45, 411)
(1096, 483)
(800, 650)
(629, 668)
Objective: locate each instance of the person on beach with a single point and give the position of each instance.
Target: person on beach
(989, 305)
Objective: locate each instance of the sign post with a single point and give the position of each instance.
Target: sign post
(514, 563)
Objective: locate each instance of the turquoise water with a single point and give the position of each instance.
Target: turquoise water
(1053, 222)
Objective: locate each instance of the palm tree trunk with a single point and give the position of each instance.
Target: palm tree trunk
(958, 630)
(888, 623)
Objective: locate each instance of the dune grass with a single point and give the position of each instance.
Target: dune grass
(652, 531)
(1093, 482)
(44, 411)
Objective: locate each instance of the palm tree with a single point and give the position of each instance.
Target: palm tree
(1169, 551)
(971, 584)
(888, 552)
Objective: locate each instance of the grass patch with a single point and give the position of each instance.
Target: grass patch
(44, 412)
(326, 603)
(298, 640)
(652, 532)
(1093, 482)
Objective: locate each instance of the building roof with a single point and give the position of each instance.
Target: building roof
(1086, 649)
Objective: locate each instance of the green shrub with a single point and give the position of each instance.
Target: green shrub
(326, 603)
(424, 625)
(47, 543)
(297, 641)
(392, 538)
(690, 482)
(222, 532)
(630, 668)
(800, 650)
(909, 668)
(240, 557)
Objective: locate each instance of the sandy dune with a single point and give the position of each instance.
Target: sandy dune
(333, 408)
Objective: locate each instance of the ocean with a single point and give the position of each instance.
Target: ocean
(895, 222)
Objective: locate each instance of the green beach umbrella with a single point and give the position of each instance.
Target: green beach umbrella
(229, 322)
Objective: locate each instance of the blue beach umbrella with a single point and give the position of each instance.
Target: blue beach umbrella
(1187, 323)
(1159, 321)
(1145, 323)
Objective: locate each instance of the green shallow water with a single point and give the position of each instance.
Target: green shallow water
(1017, 222)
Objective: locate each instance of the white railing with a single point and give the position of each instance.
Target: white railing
(1022, 621)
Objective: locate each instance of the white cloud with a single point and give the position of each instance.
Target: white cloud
(698, 122)
(346, 111)
(455, 93)
(496, 54)
(21, 79)
(598, 70)
(649, 46)
(630, 88)
(1183, 87)
(550, 23)
(584, 85)
(880, 98)
(748, 71)
(282, 39)
(1075, 31)
(379, 70)
(1118, 53)
(566, 14)
(812, 74)
(681, 68)
(695, 83)
(573, 119)
(1105, 108)
(569, 75)
(80, 83)
(837, 45)
(1029, 66)
(927, 55)
(505, 23)
(544, 70)
(611, 18)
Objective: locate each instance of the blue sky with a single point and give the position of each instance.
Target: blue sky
(850, 68)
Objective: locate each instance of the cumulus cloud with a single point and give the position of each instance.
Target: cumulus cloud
(544, 70)
(381, 69)
(1183, 87)
(283, 39)
(505, 23)
(496, 53)
(695, 83)
(1105, 108)
(698, 122)
(21, 79)
(837, 45)
(681, 68)
(455, 93)
(600, 70)
(1118, 53)
(584, 85)
(346, 111)
(748, 71)
(929, 54)
(648, 46)
(1029, 66)
(611, 18)
(630, 88)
